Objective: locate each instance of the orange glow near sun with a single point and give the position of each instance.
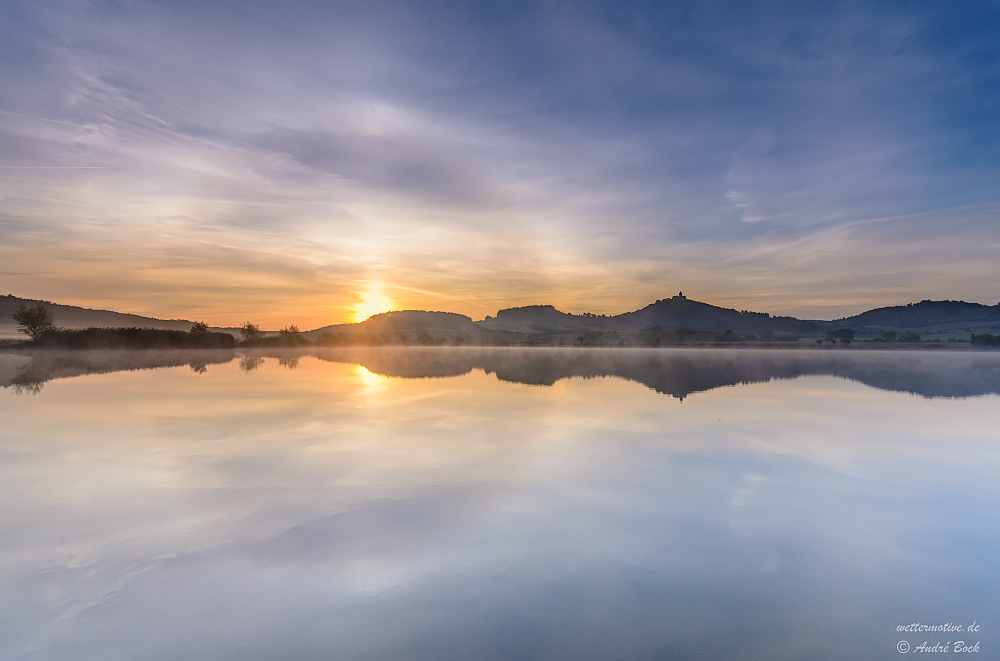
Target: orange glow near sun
(372, 302)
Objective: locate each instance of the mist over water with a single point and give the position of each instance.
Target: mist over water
(675, 372)
(507, 504)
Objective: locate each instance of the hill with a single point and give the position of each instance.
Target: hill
(925, 314)
(682, 312)
(75, 317)
(678, 312)
(675, 320)
(72, 316)
(401, 326)
(543, 318)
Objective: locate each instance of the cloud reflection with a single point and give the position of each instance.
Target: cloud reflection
(164, 513)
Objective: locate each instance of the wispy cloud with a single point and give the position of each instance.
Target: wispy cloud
(472, 158)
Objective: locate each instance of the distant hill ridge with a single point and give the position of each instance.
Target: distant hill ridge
(72, 316)
(676, 312)
(925, 313)
(400, 321)
(682, 312)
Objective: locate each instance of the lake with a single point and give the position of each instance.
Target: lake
(498, 504)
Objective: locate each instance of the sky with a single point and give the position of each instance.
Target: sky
(312, 163)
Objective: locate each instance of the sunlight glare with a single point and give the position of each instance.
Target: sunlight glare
(369, 380)
(371, 303)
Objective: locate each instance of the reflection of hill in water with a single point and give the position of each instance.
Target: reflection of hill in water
(681, 372)
(29, 370)
(675, 372)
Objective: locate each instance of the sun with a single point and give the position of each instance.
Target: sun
(372, 302)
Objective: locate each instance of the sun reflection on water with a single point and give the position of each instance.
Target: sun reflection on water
(370, 381)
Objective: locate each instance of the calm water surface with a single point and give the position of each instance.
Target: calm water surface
(497, 504)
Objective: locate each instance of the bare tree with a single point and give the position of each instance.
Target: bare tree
(33, 320)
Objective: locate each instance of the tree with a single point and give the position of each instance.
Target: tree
(845, 335)
(289, 336)
(985, 340)
(251, 332)
(33, 320)
(199, 327)
(890, 336)
(250, 363)
(729, 336)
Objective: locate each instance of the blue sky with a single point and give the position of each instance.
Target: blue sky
(316, 162)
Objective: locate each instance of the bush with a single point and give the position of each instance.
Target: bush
(985, 340)
(134, 338)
